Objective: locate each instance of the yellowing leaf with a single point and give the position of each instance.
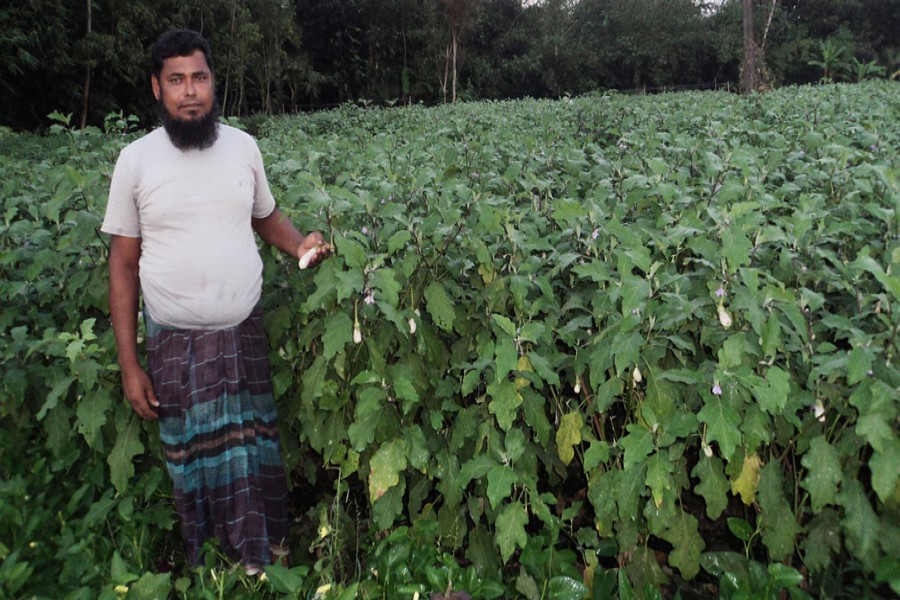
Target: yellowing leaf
(568, 436)
(747, 482)
(524, 364)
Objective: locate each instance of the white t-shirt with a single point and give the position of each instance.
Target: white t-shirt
(199, 266)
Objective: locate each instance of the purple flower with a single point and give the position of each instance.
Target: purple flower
(720, 292)
(873, 148)
(596, 234)
(716, 390)
(370, 298)
(801, 154)
(365, 230)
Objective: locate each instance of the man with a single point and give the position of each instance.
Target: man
(183, 205)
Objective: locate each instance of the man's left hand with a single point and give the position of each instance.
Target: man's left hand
(313, 250)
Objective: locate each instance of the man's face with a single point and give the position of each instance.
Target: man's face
(185, 87)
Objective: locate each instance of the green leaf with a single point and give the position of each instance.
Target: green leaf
(885, 467)
(500, 481)
(349, 283)
(338, 333)
(626, 348)
(824, 474)
(687, 545)
(723, 424)
(354, 254)
(867, 263)
(128, 445)
(151, 586)
(563, 587)
(60, 388)
(638, 444)
(771, 336)
(543, 369)
(823, 540)
(659, 476)
(633, 293)
(385, 282)
(779, 526)
(506, 357)
(773, 396)
(784, 576)
(399, 240)
(860, 523)
(477, 468)
(440, 306)
(386, 465)
(505, 324)
(713, 486)
(858, 365)
(741, 528)
(119, 570)
(568, 436)
(596, 454)
(876, 430)
(505, 402)
(510, 530)
(732, 353)
(284, 580)
(534, 406)
(91, 415)
(736, 248)
(416, 448)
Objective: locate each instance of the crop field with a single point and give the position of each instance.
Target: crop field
(608, 346)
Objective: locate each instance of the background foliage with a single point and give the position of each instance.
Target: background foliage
(278, 57)
(630, 345)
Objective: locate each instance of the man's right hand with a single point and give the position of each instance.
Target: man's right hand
(139, 392)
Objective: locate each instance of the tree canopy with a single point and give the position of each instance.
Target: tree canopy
(90, 58)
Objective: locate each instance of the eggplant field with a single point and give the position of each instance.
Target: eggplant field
(605, 346)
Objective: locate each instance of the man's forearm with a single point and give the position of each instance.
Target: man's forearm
(123, 308)
(277, 230)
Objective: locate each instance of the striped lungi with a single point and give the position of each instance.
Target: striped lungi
(217, 422)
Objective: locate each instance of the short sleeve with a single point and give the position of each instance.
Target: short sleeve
(121, 209)
(263, 201)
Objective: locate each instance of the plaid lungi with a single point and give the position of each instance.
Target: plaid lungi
(217, 422)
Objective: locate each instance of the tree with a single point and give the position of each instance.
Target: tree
(749, 78)
(459, 16)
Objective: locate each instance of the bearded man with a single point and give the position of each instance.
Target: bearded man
(184, 203)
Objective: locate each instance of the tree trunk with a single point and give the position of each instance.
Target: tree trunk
(455, 43)
(749, 79)
(446, 73)
(86, 91)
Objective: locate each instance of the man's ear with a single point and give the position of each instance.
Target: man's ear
(154, 82)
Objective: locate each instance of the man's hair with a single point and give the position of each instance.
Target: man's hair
(178, 42)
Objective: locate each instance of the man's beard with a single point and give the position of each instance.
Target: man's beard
(197, 134)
